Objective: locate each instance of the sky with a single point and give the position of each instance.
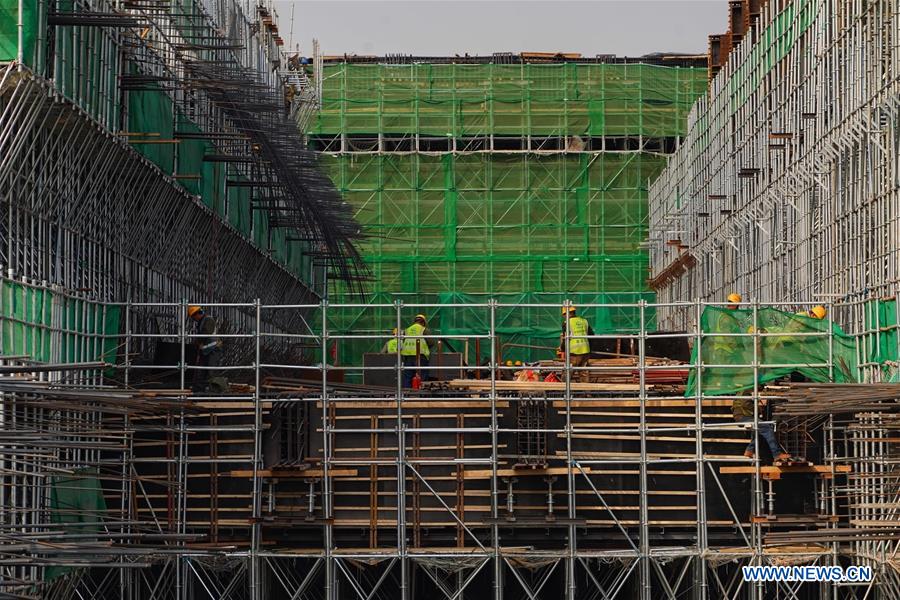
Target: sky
(449, 27)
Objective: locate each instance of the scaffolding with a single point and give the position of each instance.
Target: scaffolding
(151, 153)
(295, 484)
(499, 179)
(786, 185)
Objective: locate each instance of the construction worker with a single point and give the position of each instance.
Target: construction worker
(792, 326)
(816, 312)
(579, 346)
(718, 349)
(390, 346)
(742, 409)
(209, 352)
(734, 299)
(416, 350)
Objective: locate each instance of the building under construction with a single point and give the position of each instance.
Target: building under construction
(155, 156)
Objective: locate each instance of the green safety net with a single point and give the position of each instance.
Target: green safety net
(77, 503)
(772, 45)
(152, 126)
(501, 223)
(150, 112)
(33, 320)
(447, 225)
(9, 29)
(786, 343)
(540, 99)
(527, 330)
(879, 342)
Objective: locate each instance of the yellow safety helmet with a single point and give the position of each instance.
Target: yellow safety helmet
(567, 309)
(394, 331)
(420, 316)
(193, 309)
(818, 312)
(509, 363)
(734, 297)
(518, 363)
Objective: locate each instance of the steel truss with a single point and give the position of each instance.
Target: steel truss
(442, 513)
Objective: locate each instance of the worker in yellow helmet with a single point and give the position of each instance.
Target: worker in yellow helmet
(209, 352)
(390, 346)
(416, 350)
(718, 350)
(816, 312)
(579, 346)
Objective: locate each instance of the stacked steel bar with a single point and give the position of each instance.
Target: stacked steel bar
(67, 484)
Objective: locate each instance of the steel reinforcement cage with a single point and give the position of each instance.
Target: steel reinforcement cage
(786, 187)
(403, 493)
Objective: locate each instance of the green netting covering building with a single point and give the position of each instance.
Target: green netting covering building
(527, 180)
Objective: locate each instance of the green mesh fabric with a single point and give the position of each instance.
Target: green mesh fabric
(499, 222)
(544, 99)
(9, 29)
(784, 342)
(76, 502)
(879, 343)
(526, 332)
(773, 44)
(509, 224)
(27, 324)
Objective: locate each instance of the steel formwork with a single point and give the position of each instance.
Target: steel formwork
(786, 185)
(406, 493)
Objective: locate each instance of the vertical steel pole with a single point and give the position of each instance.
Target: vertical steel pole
(700, 575)
(646, 591)
(401, 487)
(570, 475)
(330, 591)
(757, 501)
(256, 591)
(495, 489)
(180, 561)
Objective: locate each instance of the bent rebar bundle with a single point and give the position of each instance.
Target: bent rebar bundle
(291, 187)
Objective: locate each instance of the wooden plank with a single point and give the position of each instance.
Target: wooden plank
(651, 455)
(773, 472)
(286, 474)
(632, 403)
(483, 473)
(232, 405)
(653, 415)
(386, 404)
(543, 386)
(652, 438)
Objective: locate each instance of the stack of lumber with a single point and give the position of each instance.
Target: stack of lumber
(626, 370)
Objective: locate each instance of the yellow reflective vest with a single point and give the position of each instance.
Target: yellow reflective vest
(392, 346)
(578, 326)
(413, 334)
